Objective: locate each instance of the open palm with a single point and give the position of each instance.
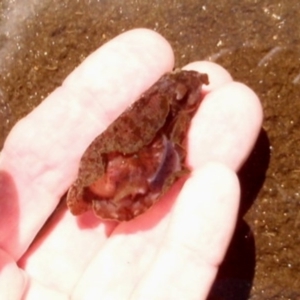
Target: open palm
(172, 251)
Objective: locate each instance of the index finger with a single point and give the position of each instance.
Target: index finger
(42, 152)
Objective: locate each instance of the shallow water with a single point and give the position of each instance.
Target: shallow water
(257, 41)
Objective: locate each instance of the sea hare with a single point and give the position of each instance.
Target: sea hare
(128, 167)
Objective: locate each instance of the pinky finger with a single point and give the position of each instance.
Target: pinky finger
(201, 227)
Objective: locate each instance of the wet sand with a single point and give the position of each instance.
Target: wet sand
(43, 41)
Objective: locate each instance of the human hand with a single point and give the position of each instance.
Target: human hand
(173, 250)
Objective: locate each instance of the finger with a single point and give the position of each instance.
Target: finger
(127, 254)
(63, 249)
(200, 229)
(12, 279)
(43, 150)
(227, 123)
(35, 290)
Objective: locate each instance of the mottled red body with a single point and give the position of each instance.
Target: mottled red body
(129, 166)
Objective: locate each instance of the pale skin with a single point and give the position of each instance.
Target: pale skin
(174, 250)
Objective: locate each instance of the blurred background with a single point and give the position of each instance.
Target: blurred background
(42, 41)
